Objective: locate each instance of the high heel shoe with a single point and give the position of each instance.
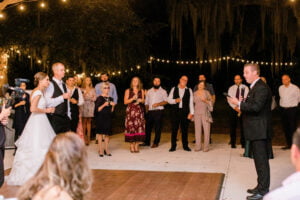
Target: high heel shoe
(100, 155)
(107, 154)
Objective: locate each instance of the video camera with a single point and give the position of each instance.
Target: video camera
(16, 92)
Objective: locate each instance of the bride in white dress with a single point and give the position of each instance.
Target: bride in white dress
(36, 136)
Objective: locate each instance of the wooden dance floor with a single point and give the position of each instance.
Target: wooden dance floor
(144, 185)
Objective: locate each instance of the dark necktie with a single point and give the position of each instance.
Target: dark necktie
(237, 95)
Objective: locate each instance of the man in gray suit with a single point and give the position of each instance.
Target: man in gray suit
(256, 122)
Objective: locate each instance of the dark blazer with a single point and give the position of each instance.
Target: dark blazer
(257, 112)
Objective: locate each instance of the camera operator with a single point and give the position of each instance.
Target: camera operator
(5, 112)
(22, 111)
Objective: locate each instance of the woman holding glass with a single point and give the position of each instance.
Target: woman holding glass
(134, 98)
(104, 106)
(202, 116)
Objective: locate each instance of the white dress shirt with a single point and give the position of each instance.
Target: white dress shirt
(232, 92)
(53, 102)
(181, 94)
(290, 189)
(289, 96)
(156, 96)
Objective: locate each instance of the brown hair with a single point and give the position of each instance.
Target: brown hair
(140, 85)
(204, 82)
(254, 67)
(38, 77)
(84, 84)
(65, 166)
(296, 138)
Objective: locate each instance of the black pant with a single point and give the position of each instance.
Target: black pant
(154, 117)
(74, 123)
(60, 124)
(234, 121)
(179, 118)
(289, 121)
(261, 161)
(2, 150)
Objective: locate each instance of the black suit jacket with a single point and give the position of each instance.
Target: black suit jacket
(257, 112)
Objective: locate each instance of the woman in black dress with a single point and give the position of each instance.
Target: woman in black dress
(104, 106)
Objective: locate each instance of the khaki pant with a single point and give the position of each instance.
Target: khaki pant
(201, 122)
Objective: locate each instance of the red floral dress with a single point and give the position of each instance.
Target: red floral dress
(135, 120)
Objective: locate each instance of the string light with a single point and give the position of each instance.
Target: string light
(2, 16)
(215, 60)
(43, 4)
(21, 7)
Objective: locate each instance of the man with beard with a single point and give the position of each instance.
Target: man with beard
(156, 98)
(112, 88)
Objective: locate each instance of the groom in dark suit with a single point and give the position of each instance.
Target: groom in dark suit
(58, 97)
(256, 111)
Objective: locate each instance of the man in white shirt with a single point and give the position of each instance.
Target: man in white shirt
(156, 98)
(289, 100)
(57, 96)
(112, 88)
(290, 189)
(181, 99)
(237, 90)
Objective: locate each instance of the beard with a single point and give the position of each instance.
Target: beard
(156, 86)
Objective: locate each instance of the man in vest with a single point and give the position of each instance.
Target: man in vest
(181, 99)
(76, 100)
(58, 97)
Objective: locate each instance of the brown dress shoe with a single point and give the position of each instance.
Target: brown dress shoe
(154, 146)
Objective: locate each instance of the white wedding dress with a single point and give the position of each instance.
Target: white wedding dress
(32, 145)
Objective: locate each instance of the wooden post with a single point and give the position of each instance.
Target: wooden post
(3, 69)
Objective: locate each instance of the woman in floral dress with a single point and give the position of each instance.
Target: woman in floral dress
(135, 114)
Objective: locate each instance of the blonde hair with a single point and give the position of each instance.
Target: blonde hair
(84, 84)
(140, 84)
(38, 77)
(55, 65)
(65, 166)
(103, 85)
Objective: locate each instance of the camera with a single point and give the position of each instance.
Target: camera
(15, 92)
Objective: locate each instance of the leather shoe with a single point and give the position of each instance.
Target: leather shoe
(172, 149)
(187, 149)
(256, 196)
(154, 146)
(252, 191)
